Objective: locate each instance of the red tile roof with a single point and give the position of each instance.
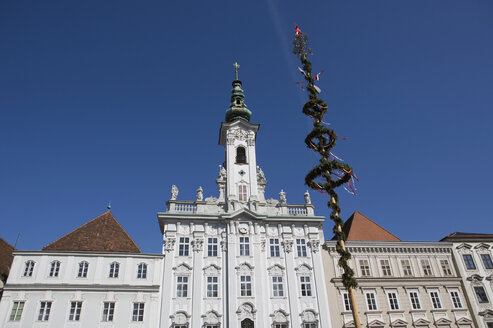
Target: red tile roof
(359, 227)
(5, 258)
(456, 236)
(102, 234)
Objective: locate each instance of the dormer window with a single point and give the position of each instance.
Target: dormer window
(240, 155)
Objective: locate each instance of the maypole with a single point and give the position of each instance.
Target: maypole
(330, 173)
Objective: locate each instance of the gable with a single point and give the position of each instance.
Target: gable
(359, 227)
(6, 258)
(102, 234)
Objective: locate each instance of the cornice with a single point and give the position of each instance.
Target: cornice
(78, 287)
(88, 254)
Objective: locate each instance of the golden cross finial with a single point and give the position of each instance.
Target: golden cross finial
(236, 66)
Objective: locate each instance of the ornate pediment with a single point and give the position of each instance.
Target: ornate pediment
(303, 269)
(376, 323)
(490, 277)
(309, 315)
(244, 268)
(276, 270)
(443, 321)
(246, 311)
(482, 246)
(180, 318)
(280, 316)
(212, 270)
(475, 278)
(211, 317)
(464, 246)
(464, 320)
(349, 324)
(182, 268)
(488, 314)
(398, 323)
(421, 322)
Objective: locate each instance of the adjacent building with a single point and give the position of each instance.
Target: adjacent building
(473, 254)
(95, 276)
(6, 258)
(239, 259)
(401, 284)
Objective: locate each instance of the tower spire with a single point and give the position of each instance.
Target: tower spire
(237, 109)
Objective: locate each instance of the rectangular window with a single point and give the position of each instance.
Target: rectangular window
(454, 295)
(181, 286)
(435, 300)
(480, 294)
(274, 247)
(364, 267)
(393, 301)
(469, 262)
(54, 269)
(108, 311)
(141, 271)
(114, 270)
(280, 325)
(244, 246)
(212, 287)
(44, 311)
(83, 266)
(489, 324)
(415, 303)
(310, 325)
(211, 246)
(371, 301)
(386, 271)
(277, 287)
(29, 268)
(17, 309)
(487, 261)
(407, 270)
(306, 288)
(425, 264)
(75, 309)
(184, 246)
(446, 269)
(245, 285)
(301, 247)
(242, 193)
(345, 302)
(138, 313)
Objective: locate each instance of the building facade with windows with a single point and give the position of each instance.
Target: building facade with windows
(473, 253)
(239, 259)
(94, 276)
(401, 284)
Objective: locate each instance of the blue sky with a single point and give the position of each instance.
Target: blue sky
(118, 100)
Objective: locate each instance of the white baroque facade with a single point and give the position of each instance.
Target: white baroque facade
(239, 259)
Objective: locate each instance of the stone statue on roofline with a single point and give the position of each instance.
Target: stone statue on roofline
(282, 197)
(174, 192)
(200, 194)
(307, 198)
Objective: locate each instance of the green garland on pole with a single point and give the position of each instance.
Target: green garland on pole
(330, 173)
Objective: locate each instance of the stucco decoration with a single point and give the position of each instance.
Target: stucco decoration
(276, 270)
(475, 278)
(224, 245)
(262, 245)
(180, 318)
(271, 202)
(280, 316)
(238, 134)
(246, 311)
(309, 315)
(174, 192)
(288, 245)
(183, 269)
(463, 247)
(482, 247)
(183, 229)
(198, 244)
(211, 229)
(272, 231)
(212, 270)
(212, 200)
(211, 318)
(315, 245)
(244, 268)
(298, 231)
(169, 244)
(303, 269)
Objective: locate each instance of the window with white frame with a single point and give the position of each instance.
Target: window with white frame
(277, 286)
(407, 269)
(274, 247)
(371, 301)
(242, 193)
(244, 246)
(469, 262)
(208, 326)
(414, 298)
(426, 266)
(184, 246)
(280, 325)
(212, 286)
(310, 325)
(455, 297)
(54, 268)
(489, 324)
(393, 300)
(346, 303)
(28, 269)
(138, 312)
(114, 270)
(435, 300)
(75, 309)
(301, 247)
(306, 287)
(446, 269)
(44, 311)
(246, 285)
(83, 267)
(385, 265)
(480, 294)
(17, 308)
(212, 244)
(182, 286)
(108, 311)
(486, 258)
(364, 267)
(142, 271)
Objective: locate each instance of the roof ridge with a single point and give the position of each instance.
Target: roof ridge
(125, 231)
(377, 224)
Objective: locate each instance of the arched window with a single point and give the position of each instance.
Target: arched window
(114, 269)
(142, 271)
(54, 268)
(83, 266)
(240, 155)
(28, 270)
